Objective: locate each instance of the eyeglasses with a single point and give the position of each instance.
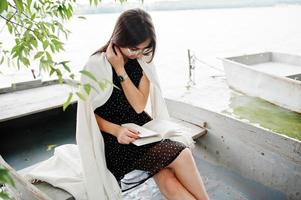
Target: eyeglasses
(135, 51)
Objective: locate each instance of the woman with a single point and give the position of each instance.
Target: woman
(170, 163)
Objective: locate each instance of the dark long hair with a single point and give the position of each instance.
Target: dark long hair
(133, 27)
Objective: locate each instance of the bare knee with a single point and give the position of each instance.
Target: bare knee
(184, 157)
(167, 182)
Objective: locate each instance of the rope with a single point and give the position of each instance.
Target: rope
(205, 63)
(192, 58)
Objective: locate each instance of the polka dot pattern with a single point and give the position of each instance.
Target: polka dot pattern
(124, 158)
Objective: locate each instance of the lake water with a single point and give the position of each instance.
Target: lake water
(209, 33)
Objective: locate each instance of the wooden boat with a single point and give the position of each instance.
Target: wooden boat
(275, 77)
(236, 160)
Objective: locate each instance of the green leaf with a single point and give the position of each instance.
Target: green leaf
(48, 56)
(64, 63)
(68, 101)
(45, 44)
(29, 4)
(88, 74)
(4, 196)
(33, 17)
(58, 72)
(104, 82)
(3, 5)
(82, 17)
(37, 34)
(52, 48)
(5, 178)
(2, 59)
(80, 96)
(9, 27)
(51, 71)
(87, 88)
(34, 42)
(19, 5)
(25, 61)
(71, 76)
(58, 44)
(39, 54)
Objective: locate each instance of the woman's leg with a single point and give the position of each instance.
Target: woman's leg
(188, 175)
(170, 186)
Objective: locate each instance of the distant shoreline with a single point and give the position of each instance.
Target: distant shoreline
(182, 5)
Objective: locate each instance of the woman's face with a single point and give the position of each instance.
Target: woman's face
(137, 51)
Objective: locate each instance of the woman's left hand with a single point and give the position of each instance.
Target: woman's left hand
(117, 61)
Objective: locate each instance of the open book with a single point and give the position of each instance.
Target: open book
(155, 130)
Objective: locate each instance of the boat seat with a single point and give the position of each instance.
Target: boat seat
(195, 130)
(33, 100)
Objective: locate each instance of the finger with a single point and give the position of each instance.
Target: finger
(132, 140)
(137, 135)
(124, 141)
(127, 140)
(117, 49)
(132, 135)
(133, 130)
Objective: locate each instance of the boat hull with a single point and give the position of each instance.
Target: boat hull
(257, 154)
(251, 75)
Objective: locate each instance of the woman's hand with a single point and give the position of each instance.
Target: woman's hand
(117, 61)
(127, 135)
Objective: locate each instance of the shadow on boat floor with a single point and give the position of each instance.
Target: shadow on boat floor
(31, 139)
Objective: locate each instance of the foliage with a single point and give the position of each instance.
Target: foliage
(37, 28)
(5, 179)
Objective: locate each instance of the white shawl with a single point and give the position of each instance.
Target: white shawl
(91, 179)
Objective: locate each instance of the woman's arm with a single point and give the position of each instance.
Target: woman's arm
(137, 97)
(107, 126)
(124, 135)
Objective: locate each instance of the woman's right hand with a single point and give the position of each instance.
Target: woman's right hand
(127, 135)
(115, 59)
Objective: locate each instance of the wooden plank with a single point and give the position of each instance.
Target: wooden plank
(195, 130)
(23, 190)
(26, 102)
(26, 84)
(51, 191)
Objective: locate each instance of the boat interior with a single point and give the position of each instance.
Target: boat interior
(278, 64)
(31, 139)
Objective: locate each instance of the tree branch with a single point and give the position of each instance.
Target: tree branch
(8, 20)
(15, 23)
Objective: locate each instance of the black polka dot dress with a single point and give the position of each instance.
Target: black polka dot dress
(124, 158)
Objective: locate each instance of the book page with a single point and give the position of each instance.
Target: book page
(147, 140)
(165, 128)
(144, 132)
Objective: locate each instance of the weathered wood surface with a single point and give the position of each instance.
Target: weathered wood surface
(53, 192)
(24, 102)
(258, 154)
(195, 130)
(23, 190)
